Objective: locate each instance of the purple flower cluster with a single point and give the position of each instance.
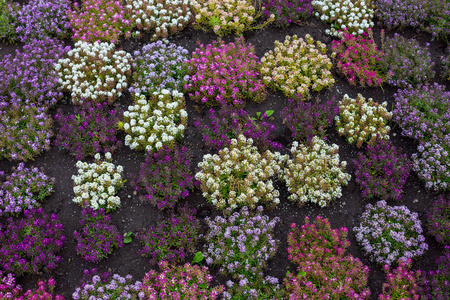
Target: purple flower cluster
(8, 20)
(409, 63)
(158, 66)
(180, 282)
(23, 189)
(28, 76)
(39, 19)
(306, 120)
(9, 290)
(89, 130)
(241, 243)
(229, 122)
(108, 287)
(98, 237)
(30, 244)
(438, 19)
(25, 131)
(382, 171)
(318, 250)
(436, 284)
(172, 238)
(390, 233)
(400, 282)
(400, 13)
(287, 11)
(225, 74)
(423, 112)
(165, 177)
(438, 218)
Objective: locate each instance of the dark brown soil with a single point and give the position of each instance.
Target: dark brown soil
(134, 215)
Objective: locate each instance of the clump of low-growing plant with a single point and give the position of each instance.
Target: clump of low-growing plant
(439, 220)
(437, 19)
(99, 21)
(400, 13)
(186, 282)
(241, 243)
(105, 286)
(389, 233)
(306, 120)
(159, 17)
(172, 239)
(153, 123)
(8, 20)
(434, 285)
(445, 60)
(98, 237)
(239, 176)
(91, 129)
(353, 17)
(225, 74)
(359, 60)
(97, 183)
(30, 244)
(165, 177)
(39, 19)
(400, 282)
(229, 122)
(287, 11)
(362, 121)
(159, 65)
(315, 173)
(297, 67)
(431, 163)
(229, 16)
(94, 72)
(382, 171)
(10, 290)
(423, 113)
(409, 63)
(23, 189)
(29, 76)
(25, 131)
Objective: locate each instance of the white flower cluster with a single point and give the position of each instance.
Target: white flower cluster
(227, 16)
(362, 121)
(315, 173)
(163, 17)
(354, 16)
(94, 72)
(97, 184)
(296, 65)
(152, 123)
(239, 176)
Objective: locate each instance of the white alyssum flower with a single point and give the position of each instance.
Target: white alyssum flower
(94, 179)
(315, 173)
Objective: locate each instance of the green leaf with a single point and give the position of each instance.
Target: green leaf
(120, 125)
(78, 117)
(254, 119)
(127, 238)
(269, 113)
(213, 21)
(198, 257)
(302, 273)
(258, 114)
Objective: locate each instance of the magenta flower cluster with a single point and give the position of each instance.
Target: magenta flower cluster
(91, 129)
(401, 282)
(165, 177)
(23, 189)
(30, 244)
(435, 284)
(225, 74)
(438, 218)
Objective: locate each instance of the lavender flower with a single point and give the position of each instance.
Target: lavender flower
(8, 20)
(439, 220)
(389, 233)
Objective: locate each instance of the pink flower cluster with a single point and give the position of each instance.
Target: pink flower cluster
(99, 20)
(225, 74)
(9, 290)
(358, 59)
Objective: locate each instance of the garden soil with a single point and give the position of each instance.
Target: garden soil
(133, 215)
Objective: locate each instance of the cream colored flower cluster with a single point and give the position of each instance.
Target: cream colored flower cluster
(162, 17)
(94, 72)
(297, 66)
(362, 121)
(239, 176)
(152, 123)
(97, 184)
(315, 173)
(228, 16)
(354, 16)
